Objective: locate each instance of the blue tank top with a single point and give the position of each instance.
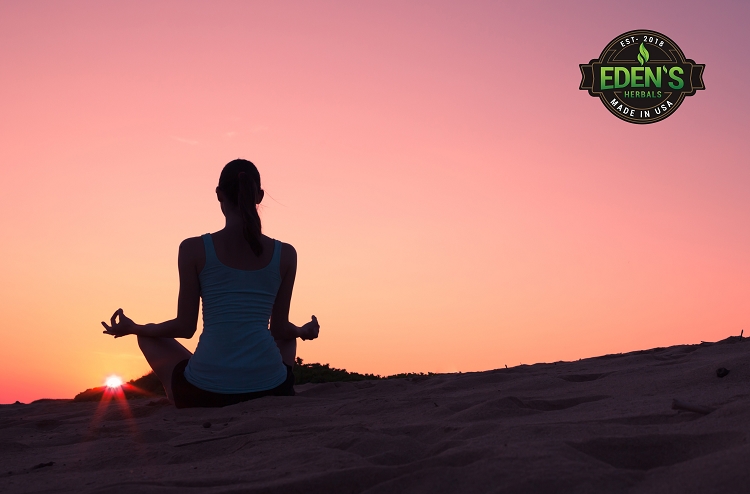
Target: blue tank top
(236, 352)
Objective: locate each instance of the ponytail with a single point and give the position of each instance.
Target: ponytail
(246, 199)
(240, 182)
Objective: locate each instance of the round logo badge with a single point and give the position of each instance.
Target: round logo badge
(642, 76)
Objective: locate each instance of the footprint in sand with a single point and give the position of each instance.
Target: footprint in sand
(579, 378)
(653, 451)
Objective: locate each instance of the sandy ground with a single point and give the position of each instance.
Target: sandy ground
(603, 425)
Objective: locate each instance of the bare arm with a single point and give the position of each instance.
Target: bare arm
(186, 322)
(281, 328)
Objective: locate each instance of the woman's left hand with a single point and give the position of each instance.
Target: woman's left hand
(310, 330)
(124, 326)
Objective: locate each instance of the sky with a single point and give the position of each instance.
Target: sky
(456, 202)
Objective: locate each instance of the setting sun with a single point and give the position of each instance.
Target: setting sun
(113, 382)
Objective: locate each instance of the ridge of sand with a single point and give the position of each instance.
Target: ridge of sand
(603, 424)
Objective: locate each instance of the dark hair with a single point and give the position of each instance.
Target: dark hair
(240, 182)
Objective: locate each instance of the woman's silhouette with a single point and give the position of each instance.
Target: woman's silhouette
(245, 278)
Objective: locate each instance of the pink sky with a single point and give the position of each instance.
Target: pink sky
(456, 202)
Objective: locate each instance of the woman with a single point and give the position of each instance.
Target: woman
(245, 278)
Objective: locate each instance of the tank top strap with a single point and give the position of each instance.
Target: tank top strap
(208, 243)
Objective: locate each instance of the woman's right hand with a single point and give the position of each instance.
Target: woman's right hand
(124, 326)
(310, 330)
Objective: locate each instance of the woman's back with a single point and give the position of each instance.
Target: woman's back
(233, 251)
(236, 352)
(245, 279)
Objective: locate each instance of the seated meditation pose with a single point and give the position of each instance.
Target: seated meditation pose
(245, 279)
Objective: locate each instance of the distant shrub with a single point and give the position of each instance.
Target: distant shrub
(324, 373)
(149, 383)
(404, 375)
(145, 386)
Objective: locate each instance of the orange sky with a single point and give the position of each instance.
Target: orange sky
(456, 202)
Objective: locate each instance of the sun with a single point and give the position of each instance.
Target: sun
(113, 382)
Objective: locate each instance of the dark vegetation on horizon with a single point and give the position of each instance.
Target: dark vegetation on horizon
(145, 386)
(150, 386)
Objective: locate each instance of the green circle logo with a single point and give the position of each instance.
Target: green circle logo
(642, 76)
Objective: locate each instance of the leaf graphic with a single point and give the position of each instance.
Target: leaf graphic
(643, 56)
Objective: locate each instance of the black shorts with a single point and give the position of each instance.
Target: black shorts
(186, 395)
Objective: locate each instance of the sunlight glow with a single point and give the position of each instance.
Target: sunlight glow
(113, 382)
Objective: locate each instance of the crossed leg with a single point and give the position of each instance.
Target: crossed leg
(163, 354)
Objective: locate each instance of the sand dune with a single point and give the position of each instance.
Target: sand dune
(603, 424)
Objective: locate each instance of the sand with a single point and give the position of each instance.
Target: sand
(603, 425)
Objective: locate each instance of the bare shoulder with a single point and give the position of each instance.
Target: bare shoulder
(288, 256)
(192, 251)
(192, 246)
(288, 250)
